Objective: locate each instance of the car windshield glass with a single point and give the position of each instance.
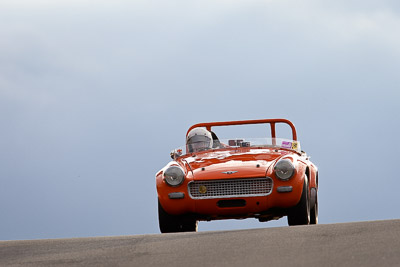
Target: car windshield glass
(233, 143)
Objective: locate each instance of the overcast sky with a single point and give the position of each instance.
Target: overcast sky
(94, 95)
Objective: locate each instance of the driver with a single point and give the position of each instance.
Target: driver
(199, 139)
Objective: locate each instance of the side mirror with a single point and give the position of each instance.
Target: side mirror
(176, 153)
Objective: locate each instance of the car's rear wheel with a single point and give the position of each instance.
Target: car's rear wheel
(300, 214)
(314, 208)
(175, 223)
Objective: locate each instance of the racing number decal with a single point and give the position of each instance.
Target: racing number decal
(294, 145)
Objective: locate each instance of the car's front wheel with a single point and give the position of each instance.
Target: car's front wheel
(300, 214)
(175, 223)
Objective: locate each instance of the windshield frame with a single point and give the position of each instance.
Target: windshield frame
(245, 144)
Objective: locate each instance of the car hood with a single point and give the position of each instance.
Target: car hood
(230, 164)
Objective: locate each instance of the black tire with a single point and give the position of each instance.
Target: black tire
(300, 214)
(314, 210)
(175, 223)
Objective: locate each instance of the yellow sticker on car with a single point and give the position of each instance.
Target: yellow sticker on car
(294, 145)
(202, 189)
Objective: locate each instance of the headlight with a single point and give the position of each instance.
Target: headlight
(284, 169)
(174, 176)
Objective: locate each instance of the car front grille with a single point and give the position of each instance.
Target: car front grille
(249, 187)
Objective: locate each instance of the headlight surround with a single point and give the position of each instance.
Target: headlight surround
(284, 169)
(174, 176)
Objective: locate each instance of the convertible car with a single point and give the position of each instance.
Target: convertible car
(209, 178)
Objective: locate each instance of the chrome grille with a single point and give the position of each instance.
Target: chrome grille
(249, 187)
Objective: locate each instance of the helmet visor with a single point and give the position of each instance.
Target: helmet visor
(199, 146)
(199, 143)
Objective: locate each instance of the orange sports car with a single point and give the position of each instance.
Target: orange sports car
(211, 179)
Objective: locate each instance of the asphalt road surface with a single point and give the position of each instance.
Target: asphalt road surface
(375, 243)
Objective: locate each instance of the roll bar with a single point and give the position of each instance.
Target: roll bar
(272, 122)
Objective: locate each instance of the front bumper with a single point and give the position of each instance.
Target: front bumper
(188, 198)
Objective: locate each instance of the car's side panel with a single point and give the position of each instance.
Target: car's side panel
(312, 173)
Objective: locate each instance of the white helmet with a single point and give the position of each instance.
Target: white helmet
(199, 139)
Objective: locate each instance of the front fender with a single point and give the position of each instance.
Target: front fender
(287, 199)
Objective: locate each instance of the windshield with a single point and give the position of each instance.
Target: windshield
(232, 143)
